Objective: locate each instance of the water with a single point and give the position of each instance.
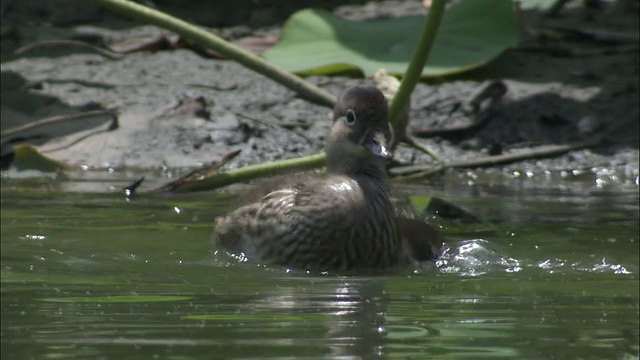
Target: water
(552, 273)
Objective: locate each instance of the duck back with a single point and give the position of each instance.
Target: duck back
(337, 222)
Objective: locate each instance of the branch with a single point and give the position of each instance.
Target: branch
(418, 171)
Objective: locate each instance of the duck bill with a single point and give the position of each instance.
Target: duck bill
(376, 143)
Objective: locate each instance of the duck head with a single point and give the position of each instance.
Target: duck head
(361, 134)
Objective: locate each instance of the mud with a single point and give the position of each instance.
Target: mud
(178, 109)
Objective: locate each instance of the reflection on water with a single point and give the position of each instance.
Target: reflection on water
(551, 274)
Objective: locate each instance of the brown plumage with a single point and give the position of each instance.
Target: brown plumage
(342, 221)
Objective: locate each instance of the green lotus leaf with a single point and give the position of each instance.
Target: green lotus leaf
(472, 33)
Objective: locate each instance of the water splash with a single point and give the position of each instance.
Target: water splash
(476, 257)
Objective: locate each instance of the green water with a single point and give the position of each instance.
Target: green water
(551, 274)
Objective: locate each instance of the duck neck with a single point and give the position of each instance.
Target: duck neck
(344, 159)
(356, 168)
(371, 171)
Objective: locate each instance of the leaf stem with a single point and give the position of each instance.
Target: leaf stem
(205, 38)
(419, 59)
(251, 172)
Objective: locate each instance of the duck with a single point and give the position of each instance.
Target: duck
(344, 220)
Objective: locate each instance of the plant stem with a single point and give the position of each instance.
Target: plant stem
(419, 59)
(205, 38)
(251, 172)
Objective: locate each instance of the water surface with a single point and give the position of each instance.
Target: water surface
(552, 272)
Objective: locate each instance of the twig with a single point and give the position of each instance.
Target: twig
(412, 141)
(603, 36)
(198, 175)
(564, 51)
(129, 190)
(489, 93)
(106, 53)
(480, 120)
(416, 171)
(244, 116)
(15, 132)
(419, 175)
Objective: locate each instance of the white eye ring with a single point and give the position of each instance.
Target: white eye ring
(350, 118)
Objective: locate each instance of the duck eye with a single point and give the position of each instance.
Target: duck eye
(350, 118)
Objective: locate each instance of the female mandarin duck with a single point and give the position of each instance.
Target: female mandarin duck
(344, 220)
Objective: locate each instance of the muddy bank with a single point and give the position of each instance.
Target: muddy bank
(178, 109)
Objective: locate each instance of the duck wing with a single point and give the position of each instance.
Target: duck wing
(297, 225)
(420, 240)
